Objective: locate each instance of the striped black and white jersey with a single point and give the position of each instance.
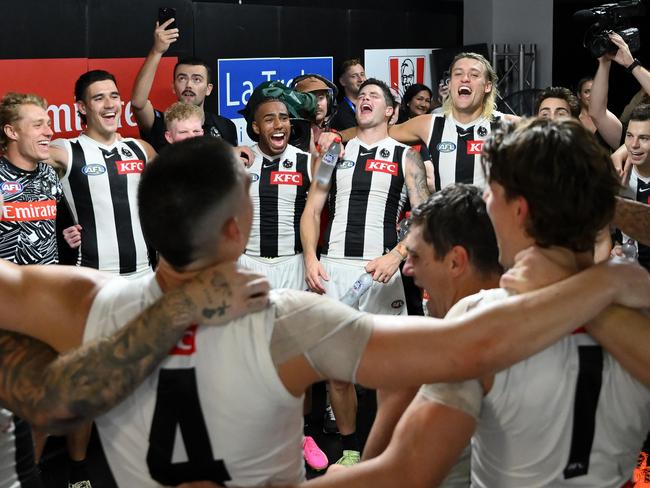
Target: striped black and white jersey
(638, 188)
(101, 185)
(455, 149)
(279, 186)
(365, 200)
(28, 224)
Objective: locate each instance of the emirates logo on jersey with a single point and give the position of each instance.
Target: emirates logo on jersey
(29, 211)
(186, 346)
(380, 166)
(131, 166)
(286, 178)
(11, 188)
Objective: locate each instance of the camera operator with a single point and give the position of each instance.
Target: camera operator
(608, 125)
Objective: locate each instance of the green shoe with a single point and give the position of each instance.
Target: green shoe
(349, 458)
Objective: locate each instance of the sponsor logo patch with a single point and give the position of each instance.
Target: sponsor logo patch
(287, 164)
(11, 187)
(388, 167)
(286, 178)
(126, 153)
(345, 164)
(482, 131)
(131, 166)
(445, 147)
(254, 177)
(397, 304)
(186, 345)
(474, 147)
(384, 153)
(93, 170)
(29, 211)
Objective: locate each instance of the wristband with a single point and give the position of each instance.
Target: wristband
(634, 64)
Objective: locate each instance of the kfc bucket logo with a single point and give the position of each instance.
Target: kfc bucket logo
(405, 71)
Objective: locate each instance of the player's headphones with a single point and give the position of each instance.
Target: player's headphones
(332, 92)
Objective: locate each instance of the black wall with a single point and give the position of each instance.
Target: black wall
(211, 30)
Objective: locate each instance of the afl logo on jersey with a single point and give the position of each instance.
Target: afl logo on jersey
(384, 153)
(254, 177)
(93, 170)
(11, 187)
(445, 147)
(345, 164)
(397, 304)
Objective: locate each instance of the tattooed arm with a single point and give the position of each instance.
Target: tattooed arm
(633, 218)
(58, 392)
(415, 177)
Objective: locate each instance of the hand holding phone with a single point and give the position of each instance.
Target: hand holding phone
(166, 13)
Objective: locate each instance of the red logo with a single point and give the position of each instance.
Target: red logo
(474, 147)
(286, 178)
(405, 71)
(130, 166)
(186, 346)
(388, 167)
(29, 211)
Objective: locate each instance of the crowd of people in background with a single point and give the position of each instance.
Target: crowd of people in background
(482, 271)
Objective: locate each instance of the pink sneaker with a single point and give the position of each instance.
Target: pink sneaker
(316, 459)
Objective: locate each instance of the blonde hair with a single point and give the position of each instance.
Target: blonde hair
(183, 111)
(489, 101)
(10, 111)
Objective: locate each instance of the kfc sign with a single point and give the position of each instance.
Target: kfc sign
(382, 166)
(27, 76)
(405, 71)
(286, 178)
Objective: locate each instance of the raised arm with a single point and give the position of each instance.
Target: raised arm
(309, 234)
(413, 131)
(142, 108)
(608, 125)
(58, 392)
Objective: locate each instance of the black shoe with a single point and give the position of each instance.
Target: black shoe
(329, 421)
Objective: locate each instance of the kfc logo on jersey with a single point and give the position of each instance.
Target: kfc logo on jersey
(131, 166)
(388, 167)
(11, 188)
(93, 170)
(474, 147)
(186, 346)
(286, 178)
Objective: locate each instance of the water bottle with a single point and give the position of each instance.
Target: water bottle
(357, 289)
(630, 250)
(328, 163)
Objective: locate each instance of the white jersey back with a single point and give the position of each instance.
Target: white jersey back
(365, 200)
(101, 185)
(214, 410)
(8, 475)
(455, 149)
(278, 190)
(568, 416)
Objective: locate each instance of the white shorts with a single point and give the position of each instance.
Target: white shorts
(381, 298)
(282, 272)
